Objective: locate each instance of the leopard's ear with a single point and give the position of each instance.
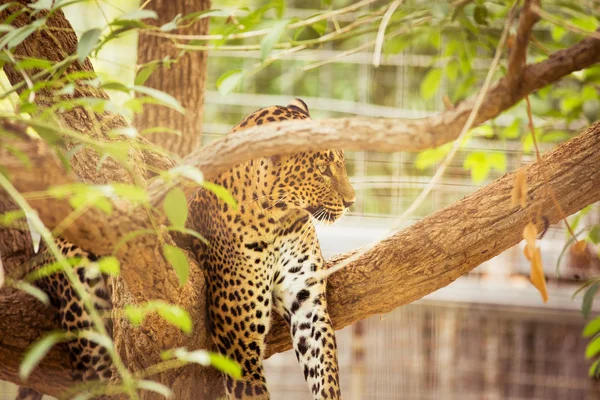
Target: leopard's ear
(275, 159)
(299, 105)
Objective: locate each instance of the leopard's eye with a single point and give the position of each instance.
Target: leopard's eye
(324, 169)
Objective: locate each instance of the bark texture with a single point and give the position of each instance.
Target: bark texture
(139, 347)
(183, 80)
(55, 45)
(414, 262)
(422, 258)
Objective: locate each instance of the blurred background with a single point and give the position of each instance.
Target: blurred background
(486, 336)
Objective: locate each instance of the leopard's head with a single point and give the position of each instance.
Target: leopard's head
(314, 181)
(317, 181)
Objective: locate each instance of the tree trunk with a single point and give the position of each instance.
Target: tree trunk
(139, 347)
(183, 80)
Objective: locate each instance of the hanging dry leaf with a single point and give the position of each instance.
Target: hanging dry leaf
(532, 253)
(579, 247)
(537, 274)
(530, 235)
(519, 191)
(526, 253)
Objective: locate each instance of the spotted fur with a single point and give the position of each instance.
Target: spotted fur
(261, 257)
(88, 360)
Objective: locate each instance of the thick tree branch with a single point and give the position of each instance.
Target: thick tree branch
(436, 250)
(518, 52)
(422, 258)
(147, 276)
(378, 134)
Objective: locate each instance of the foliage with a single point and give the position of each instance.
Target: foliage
(452, 39)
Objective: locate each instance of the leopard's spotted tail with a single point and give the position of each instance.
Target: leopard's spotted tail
(89, 361)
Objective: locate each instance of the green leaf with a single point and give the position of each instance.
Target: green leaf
(174, 315)
(439, 10)
(230, 80)
(169, 26)
(430, 157)
(41, 5)
(452, 70)
(206, 358)
(37, 352)
(116, 86)
(132, 193)
(269, 40)
(593, 348)
(592, 327)
(568, 104)
(135, 314)
(477, 162)
(6, 28)
(176, 257)
(221, 193)
(201, 357)
(86, 44)
(594, 234)
(587, 23)
(16, 36)
(161, 129)
(396, 44)
(7, 218)
(155, 387)
(31, 63)
(139, 15)
(480, 15)
(557, 32)
(128, 131)
(497, 161)
(464, 21)
(588, 299)
(145, 73)
(320, 27)
(512, 130)
(109, 265)
(430, 84)
(593, 371)
(50, 269)
(217, 13)
(68, 89)
(176, 207)
(554, 137)
(226, 365)
(96, 337)
(161, 97)
(33, 291)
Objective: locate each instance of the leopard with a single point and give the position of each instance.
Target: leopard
(263, 257)
(88, 360)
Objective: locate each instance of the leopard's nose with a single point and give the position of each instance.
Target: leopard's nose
(348, 204)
